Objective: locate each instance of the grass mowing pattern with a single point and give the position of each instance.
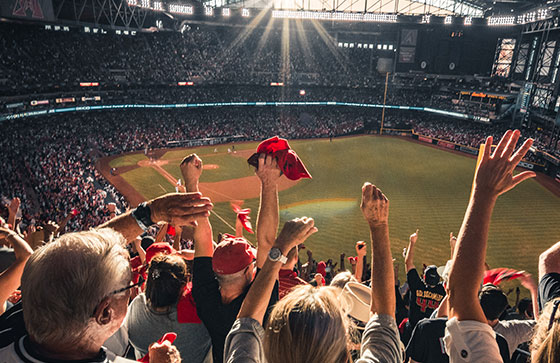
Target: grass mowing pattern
(427, 188)
(127, 160)
(148, 182)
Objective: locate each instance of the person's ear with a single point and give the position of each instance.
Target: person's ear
(104, 311)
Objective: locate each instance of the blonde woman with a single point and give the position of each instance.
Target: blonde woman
(545, 346)
(310, 324)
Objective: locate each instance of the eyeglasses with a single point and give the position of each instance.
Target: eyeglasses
(139, 283)
(552, 315)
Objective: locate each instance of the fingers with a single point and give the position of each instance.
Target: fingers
(522, 177)
(502, 144)
(488, 148)
(521, 152)
(512, 142)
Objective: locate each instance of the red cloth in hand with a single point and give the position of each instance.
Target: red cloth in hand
(287, 159)
(243, 216)
(170, 337)
(498, 275)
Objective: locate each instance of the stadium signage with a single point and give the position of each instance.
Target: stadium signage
(446, 144)
(94, 98)
(89, 84)
(526, 165)
(14, 105)
(66, 99)
(39, 102)
(229, 104)
(468, 150)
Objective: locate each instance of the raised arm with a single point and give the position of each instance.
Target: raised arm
(549, 261)
(175, 208)
(529, 283)
(12, 212)
(493, 177)
(191, 169)
(361, 251)
(409, 257)
(295, 232)
(267, 219)
(375, 208)
(10, 279)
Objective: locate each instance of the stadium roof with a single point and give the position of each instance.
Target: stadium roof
(477, 8)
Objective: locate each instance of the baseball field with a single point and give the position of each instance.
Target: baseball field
(428, 189)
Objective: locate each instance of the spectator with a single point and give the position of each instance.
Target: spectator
(221, 278)
(468, 335)
(167, 306)
(316, 329)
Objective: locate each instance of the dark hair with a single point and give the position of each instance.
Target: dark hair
(493, 301)
(525, 305)
(167, 275)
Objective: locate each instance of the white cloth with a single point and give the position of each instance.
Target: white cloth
(471, 341)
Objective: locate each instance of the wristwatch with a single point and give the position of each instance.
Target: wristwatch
(275, 255)
(143, 216)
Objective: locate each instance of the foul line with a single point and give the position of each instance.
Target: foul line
(223, 220)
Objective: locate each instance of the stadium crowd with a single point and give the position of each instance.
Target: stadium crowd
(51, 164)
(87, 278)
(83, 299)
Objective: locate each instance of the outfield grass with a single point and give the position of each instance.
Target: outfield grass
(127, 160)
(230, 167)
(148, 182)
(427, 188)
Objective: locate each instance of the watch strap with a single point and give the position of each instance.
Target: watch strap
(143, 216)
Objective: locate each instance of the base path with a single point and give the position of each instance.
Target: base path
(222, 191)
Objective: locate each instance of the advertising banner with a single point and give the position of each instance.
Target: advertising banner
(425, 139)
(468, 150)
(66, 99)
(446, 144)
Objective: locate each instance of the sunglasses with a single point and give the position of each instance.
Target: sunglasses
(139, 283)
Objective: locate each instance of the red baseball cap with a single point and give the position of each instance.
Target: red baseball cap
(156, 248)
(232, 255)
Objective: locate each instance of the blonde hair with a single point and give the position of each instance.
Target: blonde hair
(64, 281)
(545, 345)
(308, 325)
(342, 278)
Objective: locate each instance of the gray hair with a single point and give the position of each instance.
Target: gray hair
(342, 278)
(64, 281)
(233, 278)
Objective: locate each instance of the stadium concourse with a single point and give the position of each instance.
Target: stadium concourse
(90, 277)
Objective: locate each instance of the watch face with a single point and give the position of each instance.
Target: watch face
(275, 253)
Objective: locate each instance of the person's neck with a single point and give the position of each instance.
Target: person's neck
(230, 293)
(75, 350)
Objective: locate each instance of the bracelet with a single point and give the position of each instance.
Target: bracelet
(143, 216)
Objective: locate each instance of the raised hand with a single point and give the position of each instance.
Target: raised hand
(268, 170)
(494, 175)
(375, 206)
(295, 232)
(361, 248)
(191, 169)
(14, 205)
(414, 237)
(180, 209)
